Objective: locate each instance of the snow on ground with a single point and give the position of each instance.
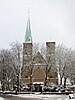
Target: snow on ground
(38, 96)
(43, 96)
(1, 98)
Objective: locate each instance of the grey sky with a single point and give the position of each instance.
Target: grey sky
(50, 20)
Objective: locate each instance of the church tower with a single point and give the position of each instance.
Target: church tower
(50, 54)
(27, 50)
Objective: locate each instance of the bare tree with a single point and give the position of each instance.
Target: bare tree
(71, 65)
(65, 61)
(16, 49)
(60, 60)
(6, 67)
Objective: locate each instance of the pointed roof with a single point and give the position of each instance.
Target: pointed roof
(39, 59)
(28, 37)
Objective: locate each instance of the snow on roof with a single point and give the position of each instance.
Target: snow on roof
(38, 82)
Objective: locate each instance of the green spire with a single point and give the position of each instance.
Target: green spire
(28, 37)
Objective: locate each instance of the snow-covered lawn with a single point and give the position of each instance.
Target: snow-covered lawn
(37, 96)
(42, 96)
(1, 98)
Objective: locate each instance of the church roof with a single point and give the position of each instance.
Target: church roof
(28, 37)
(38, 59)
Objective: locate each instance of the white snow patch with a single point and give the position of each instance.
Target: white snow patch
(1, 98)
(40, 96)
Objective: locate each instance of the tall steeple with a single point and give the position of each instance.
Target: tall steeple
(28, 37)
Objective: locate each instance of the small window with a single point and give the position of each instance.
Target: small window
(26, 76)
(51, 76)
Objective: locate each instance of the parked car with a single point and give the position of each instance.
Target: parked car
(68, 91)
(71, 97)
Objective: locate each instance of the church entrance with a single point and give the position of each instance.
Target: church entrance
(38, 79)
(38, 86)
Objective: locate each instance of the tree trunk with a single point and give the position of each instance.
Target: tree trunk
(8, 86)
(45, 79)
(74, 80)
(64, 82)
(60, 80)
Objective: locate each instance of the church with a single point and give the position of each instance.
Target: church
(37, 70)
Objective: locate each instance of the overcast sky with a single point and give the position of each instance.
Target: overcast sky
(51, 20)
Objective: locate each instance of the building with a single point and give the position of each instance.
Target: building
(38, 70)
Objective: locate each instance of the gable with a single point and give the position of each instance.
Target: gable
(38, 59)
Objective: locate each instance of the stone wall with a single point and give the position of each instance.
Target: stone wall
(50, 54)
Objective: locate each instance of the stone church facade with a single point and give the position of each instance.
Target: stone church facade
(38, 70)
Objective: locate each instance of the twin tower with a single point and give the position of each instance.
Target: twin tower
(37, 70)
